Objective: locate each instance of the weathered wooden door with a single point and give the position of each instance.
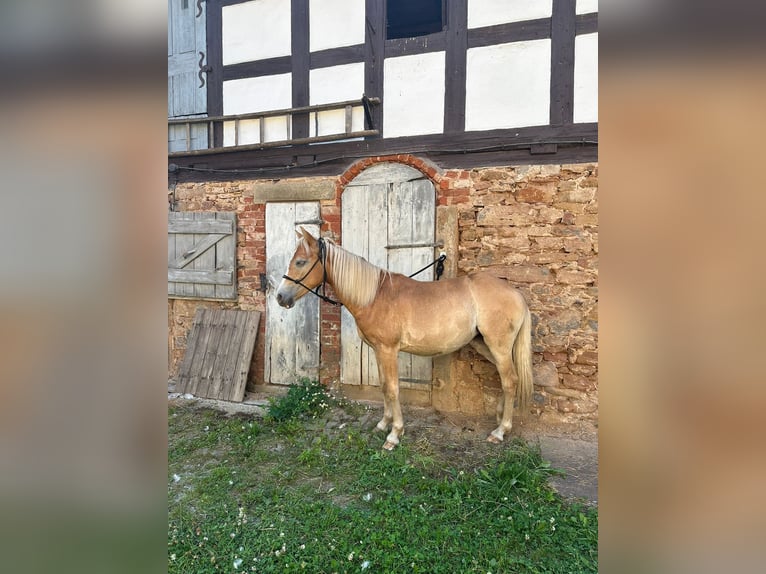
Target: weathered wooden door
(292, 335)
(388, 217)
(187, 94)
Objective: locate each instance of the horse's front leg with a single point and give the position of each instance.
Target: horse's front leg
(392, 411)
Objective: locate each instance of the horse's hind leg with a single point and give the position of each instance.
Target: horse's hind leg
(501, 349)
(392, 411)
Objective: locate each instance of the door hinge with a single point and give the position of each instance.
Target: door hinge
(439, 243)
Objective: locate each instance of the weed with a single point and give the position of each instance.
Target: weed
(306, 399)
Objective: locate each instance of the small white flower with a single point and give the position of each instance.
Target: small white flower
(231, 482)
(237, 563)
(367, 497)
(302, 547)
(553, 528)
(552, 520)
(350, 557)
(207, 428)
(176, 478)
(365, 565)
(526, 537)
(173, 556)
(281, 534)
(233, 534)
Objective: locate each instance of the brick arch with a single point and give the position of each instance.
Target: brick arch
(425, 167)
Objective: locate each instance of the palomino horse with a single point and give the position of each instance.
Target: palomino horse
(395, 313)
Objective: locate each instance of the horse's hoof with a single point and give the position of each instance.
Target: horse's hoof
(388, 445)
(381, 426)
(494, 440)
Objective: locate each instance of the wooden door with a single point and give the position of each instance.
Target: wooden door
(186, 96)
(389, 218)
(292, 335)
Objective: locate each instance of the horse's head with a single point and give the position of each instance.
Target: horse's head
(305, 271)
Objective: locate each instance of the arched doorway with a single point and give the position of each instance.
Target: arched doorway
(389, 218)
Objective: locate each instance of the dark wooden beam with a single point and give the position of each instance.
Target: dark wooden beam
(267, 67)
(466, 149)
(300, 59)
(215, 61)
(374, 47)
(455, 66)
(510, 32)
(562, 62)
(337, 56)
(586, 23)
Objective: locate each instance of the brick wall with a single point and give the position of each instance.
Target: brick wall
(536, 226)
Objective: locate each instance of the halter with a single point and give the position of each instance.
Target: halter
(321, 257)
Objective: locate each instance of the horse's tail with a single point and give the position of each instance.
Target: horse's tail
(522, 359)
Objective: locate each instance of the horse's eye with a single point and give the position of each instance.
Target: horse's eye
(300, 262)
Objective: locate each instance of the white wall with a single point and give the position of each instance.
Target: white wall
(335, 23)
(257, 95)
(336, 84)
(256, 30)
(491, 12)
(586, 78)
(508, 85)
(413, 89)
(586, 6)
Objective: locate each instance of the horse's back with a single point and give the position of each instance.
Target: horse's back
(498, 303)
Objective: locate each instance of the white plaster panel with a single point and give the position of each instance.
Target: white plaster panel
(257, 94)
(249, 132)
(491, 12)
(508, 85)
(335, 23)
(334, 122)
(586, 78)
(413, 95)
(255, 30)
(336, 84)
(275, 129)
(586, 6)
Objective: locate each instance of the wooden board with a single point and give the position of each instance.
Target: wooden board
(292, 335)
(218, 354)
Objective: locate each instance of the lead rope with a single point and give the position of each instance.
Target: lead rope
(439, 266)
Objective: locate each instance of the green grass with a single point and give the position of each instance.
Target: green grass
(284, 494)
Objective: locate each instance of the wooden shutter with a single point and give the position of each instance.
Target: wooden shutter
(388, 210)
(292, 335)
(186, 98)
(202, 253)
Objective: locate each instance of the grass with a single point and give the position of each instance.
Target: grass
(285, 494)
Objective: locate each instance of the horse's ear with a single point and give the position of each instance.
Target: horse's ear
(308, 237)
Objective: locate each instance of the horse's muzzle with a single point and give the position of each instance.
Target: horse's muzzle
(285, 301)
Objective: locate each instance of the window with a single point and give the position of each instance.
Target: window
(410, 18)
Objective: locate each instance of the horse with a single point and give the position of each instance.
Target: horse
(395, 313)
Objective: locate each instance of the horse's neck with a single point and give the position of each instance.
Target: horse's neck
(354, 279)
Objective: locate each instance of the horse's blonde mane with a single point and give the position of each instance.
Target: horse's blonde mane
(355, 279)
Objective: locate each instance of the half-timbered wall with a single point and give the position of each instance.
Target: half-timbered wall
(513, 78)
